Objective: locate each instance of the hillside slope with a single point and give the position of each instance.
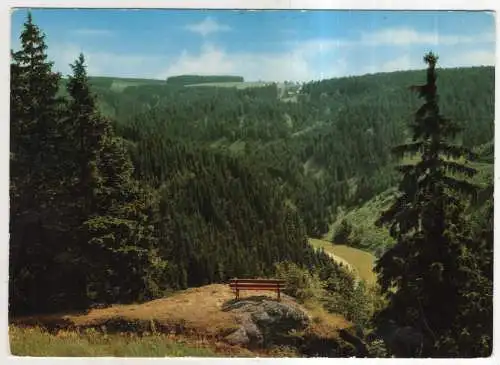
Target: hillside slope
(355, 227)
(328, 149)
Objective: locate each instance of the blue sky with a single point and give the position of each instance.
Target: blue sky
(260, 45)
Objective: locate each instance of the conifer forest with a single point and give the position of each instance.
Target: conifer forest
(127, 195)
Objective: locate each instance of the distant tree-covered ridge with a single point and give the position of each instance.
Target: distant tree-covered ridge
(200, 79)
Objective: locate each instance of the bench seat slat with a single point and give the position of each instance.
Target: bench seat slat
(266, 281)
(256, 288)
(258, 284)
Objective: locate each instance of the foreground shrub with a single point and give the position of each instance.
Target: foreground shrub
(300, 283)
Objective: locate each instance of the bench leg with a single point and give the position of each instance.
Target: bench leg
(237, 294)
(279, 296)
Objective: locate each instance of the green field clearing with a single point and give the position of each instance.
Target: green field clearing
(361, 261)
(238, 85)
(119, 85)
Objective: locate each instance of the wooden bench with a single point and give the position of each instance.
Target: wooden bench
(256, 284)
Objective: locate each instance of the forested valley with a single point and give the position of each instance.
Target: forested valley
(127, 190)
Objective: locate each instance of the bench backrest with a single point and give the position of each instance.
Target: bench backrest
(257, 284)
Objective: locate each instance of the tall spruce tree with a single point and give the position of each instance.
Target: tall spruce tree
(35, 175)
(35, 110)
(116, 238)
(431, 275)
(87, 129)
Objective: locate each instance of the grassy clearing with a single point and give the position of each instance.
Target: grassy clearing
(327, 246)
(237, 146)
(290, 99)
(238, 85)
(119, 85)
(363, 261)
(359, 261)
(313, 169)
(37, 342)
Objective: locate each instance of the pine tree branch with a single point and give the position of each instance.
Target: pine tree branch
(408, 148)
(456, 151)
(450, 200)
(406, 169)
(458, 168)
(461, 186)
(399, 208)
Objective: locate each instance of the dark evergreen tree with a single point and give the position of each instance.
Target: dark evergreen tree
(36, 226)
(431, 275)
(116, 236)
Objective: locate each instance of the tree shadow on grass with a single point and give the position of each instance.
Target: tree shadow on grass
(51, 323)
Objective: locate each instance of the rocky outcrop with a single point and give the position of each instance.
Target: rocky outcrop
(264, 322)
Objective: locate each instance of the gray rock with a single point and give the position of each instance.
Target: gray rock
(264, 322)
(261, 317)
(248, 334)
(238, 337)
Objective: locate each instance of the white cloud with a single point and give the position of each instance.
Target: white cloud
(318, 46)
(300, 61)
(207, 27)
(92, 32)
(409, 36)
(102, 63)
(450, 59)
(400, 63)
(296, 64)
(472, 58)
(210, 61)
